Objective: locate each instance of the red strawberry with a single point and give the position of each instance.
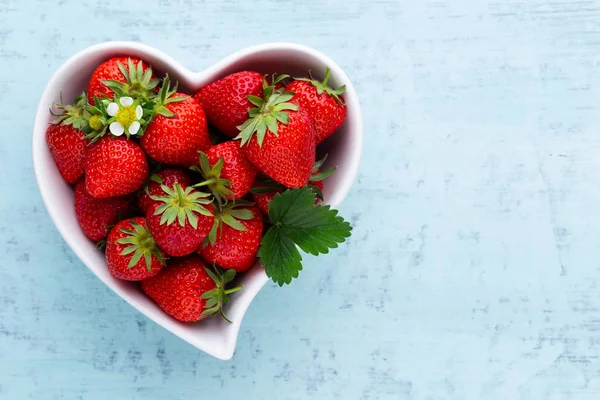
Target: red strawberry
(322, 104)
(265, 188)
(115, 166)
(178, 131)
(284, 144)
(124, 75)
(168, 177)
(131, 253)
(181, 221)
(229, 175)
(225, 101)
(182, 289)
(235, 238)
(262, 199)
(96, 215)
(66, 139)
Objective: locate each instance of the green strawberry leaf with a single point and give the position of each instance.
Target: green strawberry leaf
(298, 223)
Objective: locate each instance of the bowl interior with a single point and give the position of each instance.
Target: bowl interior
(214, 335)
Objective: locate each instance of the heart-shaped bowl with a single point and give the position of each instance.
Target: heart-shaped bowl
(214, 336)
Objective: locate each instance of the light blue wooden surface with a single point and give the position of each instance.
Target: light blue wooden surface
(473, 269)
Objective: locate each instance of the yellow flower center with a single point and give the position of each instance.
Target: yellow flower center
(125, 116)
(95, 123)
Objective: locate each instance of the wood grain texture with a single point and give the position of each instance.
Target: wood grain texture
(473, 269)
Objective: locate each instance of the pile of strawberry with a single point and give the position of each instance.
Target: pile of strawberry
(184, 191)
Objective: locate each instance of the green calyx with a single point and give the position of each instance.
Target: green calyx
(139, 242)
(74, 115)
(181, 205)
(97, 120)
(270, 110)
(323, 88)
(218, 297)
(138, 84)
(101, 244)
(219, 187)
(229, 214)
(164, 97)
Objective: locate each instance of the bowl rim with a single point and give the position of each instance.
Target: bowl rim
(39, 144)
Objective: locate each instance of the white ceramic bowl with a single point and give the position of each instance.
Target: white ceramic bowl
(214, 335)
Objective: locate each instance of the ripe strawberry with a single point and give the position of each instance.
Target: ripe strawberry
(168, 177)
(265, 188)
(235, 237)
(115, 166)
(181, 220)
(96, 215)
(131, 253)
(262, 200)
(284, 144)
(225, 101)
(229, 175)
(178, 131)
(127, 76)
(188, 290)
(262, 195)
(322, 104)
(66, 139)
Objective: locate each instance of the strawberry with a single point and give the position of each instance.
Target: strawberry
(66, 139)
(96, 215)
(265, 189)
(227, 172)
(262, 200)
(181, 220)
(225, 101)
(168, 177)
(235, 237)
(126, 76)
(188, 290)
(178, 131)
(263, 194)
(131, 252)
(115, 166)
(321, 102)
(284, 144)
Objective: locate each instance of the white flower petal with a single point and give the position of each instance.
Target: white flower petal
(138, 112)
(112, 109)
(116, 128)
(134, 128)
(126, 101)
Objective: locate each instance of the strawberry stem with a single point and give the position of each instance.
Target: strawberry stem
(205, 183)
(327, 72)
(180, 195)
(233, 290)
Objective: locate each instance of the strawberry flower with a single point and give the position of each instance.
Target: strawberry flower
(126, 115)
